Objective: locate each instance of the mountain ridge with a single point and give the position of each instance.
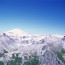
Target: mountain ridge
(45, 46)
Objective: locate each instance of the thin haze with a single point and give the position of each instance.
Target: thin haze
(33, 16)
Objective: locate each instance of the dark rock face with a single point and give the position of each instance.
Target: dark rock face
(49, 58)
(63, 38)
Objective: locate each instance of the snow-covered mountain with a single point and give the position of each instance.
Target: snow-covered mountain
(46, 47)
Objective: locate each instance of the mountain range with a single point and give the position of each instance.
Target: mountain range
(20, 48)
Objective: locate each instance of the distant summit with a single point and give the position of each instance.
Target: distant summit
(16, 31)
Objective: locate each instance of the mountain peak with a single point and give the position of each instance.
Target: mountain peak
(16, 31)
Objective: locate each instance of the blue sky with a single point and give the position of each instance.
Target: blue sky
(33, 16)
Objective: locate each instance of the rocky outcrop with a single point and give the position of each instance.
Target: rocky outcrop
(49, 58)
